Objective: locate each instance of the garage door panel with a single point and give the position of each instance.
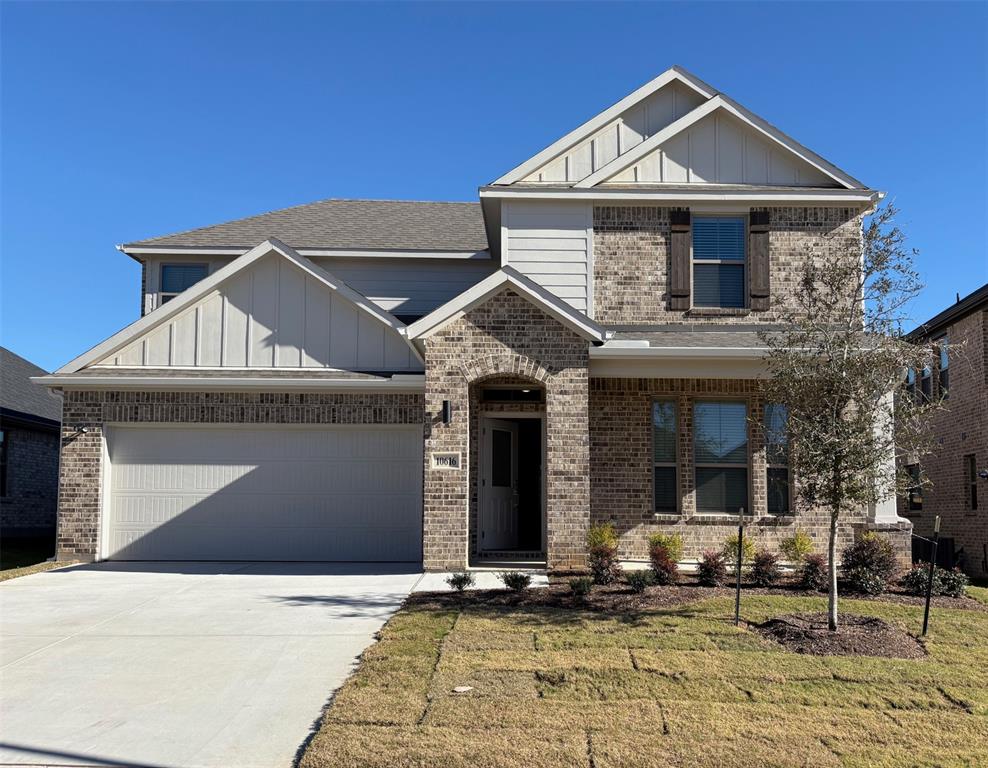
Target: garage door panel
(320, 493)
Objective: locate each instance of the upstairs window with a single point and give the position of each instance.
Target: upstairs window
(665, 483)
(777, 458)
(175, 278)
(720, 453)
(926, 384)
(911, 383)
(943, 372)
(719, 261)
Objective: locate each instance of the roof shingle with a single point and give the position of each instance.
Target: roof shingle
(18, 393)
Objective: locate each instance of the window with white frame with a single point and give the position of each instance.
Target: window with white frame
(665, 483)
(926, 384)
(719, 255)
(175, 278)
(720, 455)
(777, 458)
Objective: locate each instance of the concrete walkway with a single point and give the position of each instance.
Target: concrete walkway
(181, 665)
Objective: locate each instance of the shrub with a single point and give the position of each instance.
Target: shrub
(602, 546)
(581, 586)
(516, 581)
(952, 583)
(812, 573)
(664, 553)
(869, 564)
(639, 581)
(796, 547)
(730, 550)
(712, 570)
(672, 543)
(460, 581)
(765, 569)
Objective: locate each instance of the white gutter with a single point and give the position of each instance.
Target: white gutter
(397, 383)
(355, 253)
(615, 351)
(702, 194)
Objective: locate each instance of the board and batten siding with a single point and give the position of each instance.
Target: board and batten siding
(271, 315)
(551, 243)
(720, 149)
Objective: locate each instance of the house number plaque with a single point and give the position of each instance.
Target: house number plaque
(446, 461)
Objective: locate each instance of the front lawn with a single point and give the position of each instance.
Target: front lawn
(670, 686)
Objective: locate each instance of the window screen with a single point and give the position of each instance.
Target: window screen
(777, 458)
(718, 261)
(664, 475)
(720, 449)
(175, 278)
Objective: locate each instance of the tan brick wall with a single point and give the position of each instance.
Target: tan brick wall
(621, 469)
(631, 261)
(506, 336)
(81, 465)
(961, 429)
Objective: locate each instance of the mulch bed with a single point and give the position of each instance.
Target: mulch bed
(855, 636)
(618, 598)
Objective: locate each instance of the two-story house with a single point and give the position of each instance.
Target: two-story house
(457, 383)
(958, 470)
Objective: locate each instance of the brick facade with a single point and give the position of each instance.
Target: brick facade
(506, 336)
(29, 505)
(82, 453)
(961, 431)
(631, 261)
(621, 471)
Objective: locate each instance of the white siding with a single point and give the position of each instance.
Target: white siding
(551, 243)
(628, 130)
(271, 315)
(720, 149)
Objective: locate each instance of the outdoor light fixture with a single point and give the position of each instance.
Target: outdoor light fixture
(81, 430)
(447, 411)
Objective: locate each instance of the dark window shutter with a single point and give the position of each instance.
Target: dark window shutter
(679, 277)
(758, 279)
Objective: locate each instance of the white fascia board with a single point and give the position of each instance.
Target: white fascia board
(504, 278)
(600, 120)
(397, 383)
(702, 193)
(637, 152)
(612, 350)
(338, 252)
(682, 368)
(204, 287)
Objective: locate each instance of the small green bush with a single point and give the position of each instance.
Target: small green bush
(602, 547)
(869, 564)
(661, 552)
(672, 543)
(952, 583)
(712, 570)
(460, 581)
(516, 581)
(730, 550)
(796, 547)
(812, 573)
(639, 581)
(580, 586)
(765, 569)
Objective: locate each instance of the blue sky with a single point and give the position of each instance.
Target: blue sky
(127, 120)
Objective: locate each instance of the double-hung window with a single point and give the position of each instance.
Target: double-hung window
(777, 458)
(720, 455)
(719, 261)
(926, 384)
(175, 278)
(665, 481)
(915, 489)
(943, 372)
(911, 384)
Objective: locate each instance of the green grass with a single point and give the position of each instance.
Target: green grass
(674, 687)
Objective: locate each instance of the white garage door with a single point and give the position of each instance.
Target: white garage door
(350, 493)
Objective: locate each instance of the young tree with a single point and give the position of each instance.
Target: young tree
(835, 365)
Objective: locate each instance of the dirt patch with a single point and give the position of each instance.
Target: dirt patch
(856, 636)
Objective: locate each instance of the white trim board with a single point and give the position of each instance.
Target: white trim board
(349, 253)
(508, 277)
(188, 297)
(406, 383)
(702, 192)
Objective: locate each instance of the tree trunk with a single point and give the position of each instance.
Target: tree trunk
(832, 556)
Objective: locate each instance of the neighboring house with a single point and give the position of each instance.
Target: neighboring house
(958, 472)
(459, 383)
(29, 426)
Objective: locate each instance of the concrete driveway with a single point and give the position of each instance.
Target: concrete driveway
(181, 665)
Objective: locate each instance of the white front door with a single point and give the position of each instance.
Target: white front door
(498, 485)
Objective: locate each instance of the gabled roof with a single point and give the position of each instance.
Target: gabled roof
(504, 278)
(712, 102)
(973, 302)
(19, 395)
(343, 224)
(190, 296)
